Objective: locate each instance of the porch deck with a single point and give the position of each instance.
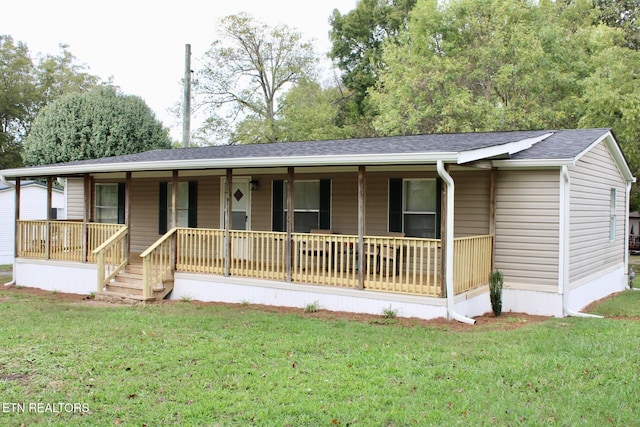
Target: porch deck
(401, 265)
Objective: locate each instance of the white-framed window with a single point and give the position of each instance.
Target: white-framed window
(182, 204)
(312, 205)
(107, 203)
(306, 209)
(414, 207)
(612, 215)
(420, 207)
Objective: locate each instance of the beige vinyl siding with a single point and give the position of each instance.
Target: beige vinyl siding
(527, 226)
(145, 193)
(592, 179)
(472, 198)
(75, 198)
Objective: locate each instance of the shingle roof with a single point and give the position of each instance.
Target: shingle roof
(383, 145)
(551, 145)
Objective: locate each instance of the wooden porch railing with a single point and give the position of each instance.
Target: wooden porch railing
(200, 250)
(472, 262)
(403, 264)
(111, 257)
(325, 259)
(258, 254)
(65, 239)
(158, 262)
(32, 239)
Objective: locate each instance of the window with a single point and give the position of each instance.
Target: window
(110, 203)
(182, 202)
(312, 205)
(186, 205)
(612, 215)
(414, 207)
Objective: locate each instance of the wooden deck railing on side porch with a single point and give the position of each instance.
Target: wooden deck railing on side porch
(111, 257)
(472, 262)
(65, 239)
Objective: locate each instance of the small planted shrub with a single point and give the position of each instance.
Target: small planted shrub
(496, 282)
(312, 307)
(389, 313)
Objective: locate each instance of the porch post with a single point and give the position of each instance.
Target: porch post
(48, 227)
(227, 223)
(86, 214)
(17, 229)
(174, 215)
(127, 213)
(361, 223)
(290, 222)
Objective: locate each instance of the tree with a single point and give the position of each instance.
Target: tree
(622, 14)
(489, 65)
(99, 123)
(26, 86)
(17, 95)
(311, 112)
(357, 41)
(246, 71)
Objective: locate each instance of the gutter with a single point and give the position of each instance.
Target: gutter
(564, 274)
(4, 180)
(449, 247)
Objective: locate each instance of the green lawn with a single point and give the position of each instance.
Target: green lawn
(195, 364)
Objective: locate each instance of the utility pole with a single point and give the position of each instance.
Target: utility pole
(186, 114)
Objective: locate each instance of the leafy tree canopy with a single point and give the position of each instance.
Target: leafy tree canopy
(245, 72)
(90, 125)
(358, 38)
(28, 84)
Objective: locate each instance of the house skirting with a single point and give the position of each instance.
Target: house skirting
(547, 301)
(61, 276)
(596, 287)
(203, 287)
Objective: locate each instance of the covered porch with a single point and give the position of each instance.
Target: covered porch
(389, 262)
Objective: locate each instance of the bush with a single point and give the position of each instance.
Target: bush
(496, 281)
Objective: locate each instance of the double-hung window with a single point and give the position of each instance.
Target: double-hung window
(186, 205)
(414, 207)
(109, 201)
(312, 205)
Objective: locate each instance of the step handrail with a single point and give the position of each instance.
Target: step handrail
(111, 257)
(158, 262)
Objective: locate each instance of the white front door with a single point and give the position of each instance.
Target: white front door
(240, 214)
(240, 204)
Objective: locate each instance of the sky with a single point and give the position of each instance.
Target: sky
(140, 44)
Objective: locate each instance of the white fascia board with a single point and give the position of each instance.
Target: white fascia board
(509, 148)
(616, 153)
(236, 163)
(532, 163)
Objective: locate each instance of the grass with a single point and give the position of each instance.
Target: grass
(196, 364)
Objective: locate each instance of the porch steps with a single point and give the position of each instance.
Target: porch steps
(127, 288)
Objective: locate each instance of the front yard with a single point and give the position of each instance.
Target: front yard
(66, 360)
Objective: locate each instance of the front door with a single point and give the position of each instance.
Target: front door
(240, 204)
(240, 215)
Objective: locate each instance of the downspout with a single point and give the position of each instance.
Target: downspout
(563, 285)
(448, 277)
(13, 279)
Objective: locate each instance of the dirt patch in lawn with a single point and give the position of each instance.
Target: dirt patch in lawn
(507, 321)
